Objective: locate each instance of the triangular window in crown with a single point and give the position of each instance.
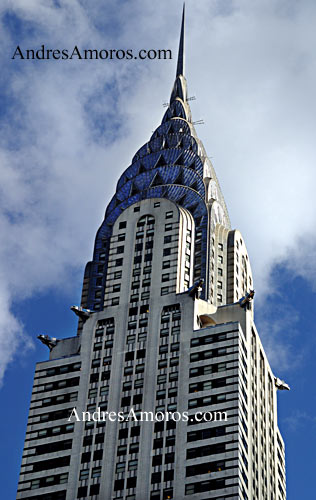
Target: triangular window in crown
(141, 169)
(179, 179)
(157, 180)
(133, 190)
(180, 160)
(194, 186)
(161, 162)
(181, 200)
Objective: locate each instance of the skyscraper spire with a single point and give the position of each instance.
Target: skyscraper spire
(180, 65)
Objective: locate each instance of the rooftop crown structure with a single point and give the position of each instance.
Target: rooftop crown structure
(165, 392)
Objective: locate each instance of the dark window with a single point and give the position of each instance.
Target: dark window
(158, 443)
(157, 460)
(120, 249)
(137, 399)
(119, 262)
(87, 441)
(97, 455)
(105, 375)
(144, 309)
(119, 484)
(94, 377)
(82, 492)
(149, 244)
(141, 353)
(170, 440)
(134, 448)
(167, 493)
(127, 386)
(156, 477)
(129, 356)
(123, 434)
(99, 438)
(167, 239)
(159, 426)
(135, 431)
(166, 251)
(168, 475)
(122, 225)
(126, 401)
(131, 482)
(94, 489)
(143, 322)
(169, 458)
(86, 457)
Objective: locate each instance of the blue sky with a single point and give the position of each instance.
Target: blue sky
(69, 128)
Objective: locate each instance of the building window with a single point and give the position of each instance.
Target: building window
(165, 277)
(115, 301)
(157, 204)
(118, 262)
(169, 215)
(142, 337)
(136, 209)
(132, 465)
(94, 489)
(122, 225)
(164, 290)
(166, 264)
(96, 472)
(168, 227)
(120, 467)
(82, 492)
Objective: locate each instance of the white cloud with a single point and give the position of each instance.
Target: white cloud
(69, 128)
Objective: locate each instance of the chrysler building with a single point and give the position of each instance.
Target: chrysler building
(166, 327)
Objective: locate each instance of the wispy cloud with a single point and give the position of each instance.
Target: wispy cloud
(299, 419)
(68, 129)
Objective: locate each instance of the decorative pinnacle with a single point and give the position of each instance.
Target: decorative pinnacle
(180, 65)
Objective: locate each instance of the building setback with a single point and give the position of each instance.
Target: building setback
(165, 325)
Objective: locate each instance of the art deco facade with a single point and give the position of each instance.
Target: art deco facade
(167, 333)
